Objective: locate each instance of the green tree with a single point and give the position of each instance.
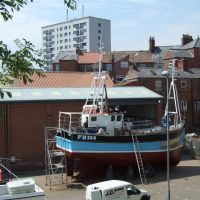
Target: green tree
(20, 64)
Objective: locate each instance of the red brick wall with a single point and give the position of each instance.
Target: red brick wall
(67, 65)
(190, 116)
(26, 130)
(1, 132)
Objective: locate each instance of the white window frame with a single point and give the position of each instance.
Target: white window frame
(119, 78)
(183, 106)
(124, 64)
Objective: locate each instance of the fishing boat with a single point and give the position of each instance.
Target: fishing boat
(103, 136)
(20, 188)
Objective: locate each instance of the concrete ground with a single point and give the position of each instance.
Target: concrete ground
(184, 184)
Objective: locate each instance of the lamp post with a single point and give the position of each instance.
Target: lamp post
(166, 74)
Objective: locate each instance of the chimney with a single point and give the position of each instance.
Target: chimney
(186, 39)
(78, 51)
(151, 45)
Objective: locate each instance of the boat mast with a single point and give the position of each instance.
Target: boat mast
(173, 96)
(95, 99)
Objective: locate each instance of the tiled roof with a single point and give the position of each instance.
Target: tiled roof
(178, 53)
(62, 80)
(107, 57)
(65, 55)
(192, 44)
(157, 73)
(88, 58)
(141, 56)
(132, 56)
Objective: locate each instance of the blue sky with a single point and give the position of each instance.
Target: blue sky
(132, 21)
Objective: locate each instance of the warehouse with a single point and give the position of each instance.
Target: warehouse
(24, 116)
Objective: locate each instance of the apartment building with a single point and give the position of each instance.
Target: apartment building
(84, 33)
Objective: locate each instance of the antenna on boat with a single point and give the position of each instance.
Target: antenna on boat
(100, 57)
(172, 95)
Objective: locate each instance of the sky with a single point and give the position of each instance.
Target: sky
(132, 21)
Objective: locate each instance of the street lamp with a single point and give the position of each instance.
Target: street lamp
(166, 74)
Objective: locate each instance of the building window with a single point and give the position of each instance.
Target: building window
(183, 85)
(82, 24)
(158, 85)
(124, 64)
(66, 40)
(61, 47)
(93, 118)
(61, 35)
(99, 31)
(61, 28)
(65, 34)
(99, 24)
(197, 105)
(61, 41)
(66, 47)
(65, 27)
(108, 67)
(183, 106)
(76, 26)
(142, 65)
(119, 78)
(57, 67)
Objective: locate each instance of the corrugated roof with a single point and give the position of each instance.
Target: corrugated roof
(56, 94)
(88, 58)
(61, 79)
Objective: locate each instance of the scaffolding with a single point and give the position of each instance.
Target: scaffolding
(55, 161)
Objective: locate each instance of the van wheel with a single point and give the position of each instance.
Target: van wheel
(145, 197)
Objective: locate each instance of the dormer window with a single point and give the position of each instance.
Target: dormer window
(124, 64)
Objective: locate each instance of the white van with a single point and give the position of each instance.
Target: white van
(115, 190)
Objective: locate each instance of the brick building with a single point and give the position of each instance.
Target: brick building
(188, 88)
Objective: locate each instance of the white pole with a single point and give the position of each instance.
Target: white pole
(168, 161)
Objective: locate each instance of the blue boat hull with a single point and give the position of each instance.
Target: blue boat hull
(96, 149)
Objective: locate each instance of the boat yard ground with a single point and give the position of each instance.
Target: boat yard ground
(184, 183)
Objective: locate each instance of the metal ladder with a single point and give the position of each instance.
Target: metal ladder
(138, 158)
